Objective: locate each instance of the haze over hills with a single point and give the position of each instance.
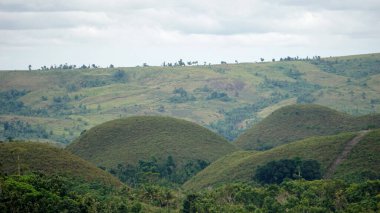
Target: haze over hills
(43, 158)
(296, 122)
(57, 105)
(362, 160)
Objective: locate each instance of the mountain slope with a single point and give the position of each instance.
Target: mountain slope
(49, 160)
(57, 105)
(300, 121)
(343, 155)
(145, 137)
(362, 160)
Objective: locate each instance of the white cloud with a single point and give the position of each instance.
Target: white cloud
(129, 32)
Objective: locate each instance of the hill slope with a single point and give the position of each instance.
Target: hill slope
(145, 137)
(363, 160)
(297, 122)
(57, 105)
(239, 167)
(49, 160)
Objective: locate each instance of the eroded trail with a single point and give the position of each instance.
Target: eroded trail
(343, 155)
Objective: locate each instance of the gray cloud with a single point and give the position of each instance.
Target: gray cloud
(50, 20)
(136, 31)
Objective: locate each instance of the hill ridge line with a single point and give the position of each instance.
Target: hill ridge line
(343, 155)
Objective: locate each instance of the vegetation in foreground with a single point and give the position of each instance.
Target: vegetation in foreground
(290, 196)
(36, 193)
(40, 193)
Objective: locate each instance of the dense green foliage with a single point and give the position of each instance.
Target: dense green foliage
(39, 193)
(130, 144)
(290, 196)
(225, 98)
(296, 122)
(152, 172)
(218, 96)
(181, 96)
(11, 104)
(278, 171)
(20, 129)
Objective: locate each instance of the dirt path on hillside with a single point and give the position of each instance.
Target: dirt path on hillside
(343, 155)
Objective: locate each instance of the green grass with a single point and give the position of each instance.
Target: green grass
(126, 141)
(363, 160)
(46, 159)
(241, 166)
(296, 122)
(150, 88)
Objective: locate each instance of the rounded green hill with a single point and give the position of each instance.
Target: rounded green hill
(362, 162)
(43, 158)
(296, 122)
(129, 140)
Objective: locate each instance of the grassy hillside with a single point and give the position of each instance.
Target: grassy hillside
(57, 105)
(49, 160)
(145, 137)
(241, 166)
(301, 121)
(363, 159)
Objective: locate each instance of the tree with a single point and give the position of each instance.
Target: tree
(310, 170)
(30, 67)
(181, 63)
(188, 204)
(169, 166)
(278, 171)
(262, 59)
(112, 66)
(119, 76)
(17, 151)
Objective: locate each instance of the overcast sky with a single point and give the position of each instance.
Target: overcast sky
(131, 32)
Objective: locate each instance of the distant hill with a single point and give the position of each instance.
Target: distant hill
(127, 141)
(295, 122)
(46, 159)
(363, 161)
(57, 105)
